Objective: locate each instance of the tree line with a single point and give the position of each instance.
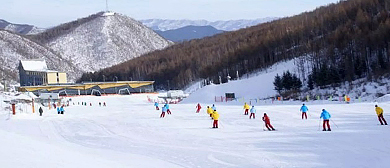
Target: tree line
(341, 42)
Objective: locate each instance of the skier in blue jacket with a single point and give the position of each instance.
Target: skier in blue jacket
(62, 109)
(156, 104)
(326, 116)
(213, 107)
(304, 109)
(167, 107)
(253, 111)
(58, 110)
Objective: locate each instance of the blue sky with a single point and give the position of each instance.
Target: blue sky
(46, 13)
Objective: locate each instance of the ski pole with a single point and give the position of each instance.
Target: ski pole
(334, 123)
(319, 124)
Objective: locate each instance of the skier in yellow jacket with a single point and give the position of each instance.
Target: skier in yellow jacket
(246, 107)
(209, 111)
(215, 117)
(379, 112)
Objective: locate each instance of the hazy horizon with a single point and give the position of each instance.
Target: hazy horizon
(48, 13)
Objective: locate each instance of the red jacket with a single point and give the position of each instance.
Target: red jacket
(266, 119)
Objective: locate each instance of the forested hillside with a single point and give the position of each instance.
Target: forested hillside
(341, 42)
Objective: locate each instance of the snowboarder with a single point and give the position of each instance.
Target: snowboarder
(304, 109)
(253, 111)
(213, 107)
(268, 123)
(156, 105)
(40, 111)
(246, 107)
(326, 116)
(215, 117)
(209, 111)
(167, 107)
(198, 107)
(379, 112)
(62, 109)
(163, 110)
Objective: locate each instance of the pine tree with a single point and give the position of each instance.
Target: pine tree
(278, 83)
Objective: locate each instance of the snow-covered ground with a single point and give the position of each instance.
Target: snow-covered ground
(129, 133)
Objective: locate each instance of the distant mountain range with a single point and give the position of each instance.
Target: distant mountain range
(20, 28)
(230, 25)
(189, 33)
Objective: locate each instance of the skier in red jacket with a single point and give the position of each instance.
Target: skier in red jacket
(268, 123)
(198, 107)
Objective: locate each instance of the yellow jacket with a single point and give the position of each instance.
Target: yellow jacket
(215, 115)
(378, 110)
(246, 106)
(209, 110)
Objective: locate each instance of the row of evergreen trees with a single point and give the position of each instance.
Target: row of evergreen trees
(287, 82)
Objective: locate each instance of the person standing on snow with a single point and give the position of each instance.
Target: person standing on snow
(268, 123)
(198, 107)
(215, 117)
(209, 111)
(379, 112)
(62, 109)
(253, 111)
(156, 105)
(40, 111)
(167, 107)
(246, 107)
(304, 109)
(163, 110)
(326, 116)
(58, 110)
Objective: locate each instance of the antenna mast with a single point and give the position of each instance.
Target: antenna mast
(106, 5)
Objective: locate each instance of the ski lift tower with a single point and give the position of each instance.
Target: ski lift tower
(107, 12)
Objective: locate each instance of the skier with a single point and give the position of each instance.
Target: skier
(198, 107)
(209, 111)
(213, 107)
(62, 109)
(100, 104)
(304, 109)
(215, 117)
(167, 107)
(90, 104)
(58, 110)
(163, 110)
(104, 104)
(268, 123)
(156, 105)
(40, 111)
(379, 112)
(326, 116)
(246, 107)
(253, 111)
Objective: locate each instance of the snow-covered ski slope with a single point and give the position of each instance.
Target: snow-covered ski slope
(129, 133)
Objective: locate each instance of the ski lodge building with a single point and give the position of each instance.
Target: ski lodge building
(35, 72)
(36, 78)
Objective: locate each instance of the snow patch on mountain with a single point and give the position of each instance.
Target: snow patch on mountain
(230, 25)
(106, 41)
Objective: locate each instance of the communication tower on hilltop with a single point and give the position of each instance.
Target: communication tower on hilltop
(108, 13)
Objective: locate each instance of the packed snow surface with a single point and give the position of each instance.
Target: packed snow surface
(128, 132)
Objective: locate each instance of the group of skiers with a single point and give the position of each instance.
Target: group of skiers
(265, 117)
(212, 112)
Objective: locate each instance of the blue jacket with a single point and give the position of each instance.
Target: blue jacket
(164, 109)
(214, 108)
(167, 106)
(253, 110)
(304, 109)
(58, 109)
(61, 109)
(156, 104)
(325, 115)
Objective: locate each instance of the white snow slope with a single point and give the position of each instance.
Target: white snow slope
(106, 41)
(130, 133)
